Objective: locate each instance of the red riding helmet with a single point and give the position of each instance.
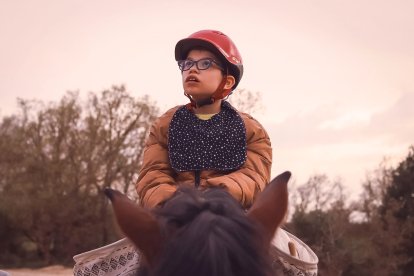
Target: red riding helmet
(218, 43)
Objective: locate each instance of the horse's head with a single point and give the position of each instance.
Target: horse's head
(205, 233)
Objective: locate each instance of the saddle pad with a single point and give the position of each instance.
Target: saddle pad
(304, 263)
(120, 258)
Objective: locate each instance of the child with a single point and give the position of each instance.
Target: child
(206, 143)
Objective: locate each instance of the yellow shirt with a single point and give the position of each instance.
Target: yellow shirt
(205, 117)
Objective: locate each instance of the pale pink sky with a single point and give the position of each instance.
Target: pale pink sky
(337, 77)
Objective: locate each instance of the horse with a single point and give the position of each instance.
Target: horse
(205, 232)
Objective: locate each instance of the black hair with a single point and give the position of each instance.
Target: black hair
(208, 234)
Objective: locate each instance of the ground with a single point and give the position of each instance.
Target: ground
(45, 271)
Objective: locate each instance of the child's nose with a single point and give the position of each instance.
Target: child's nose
(193, 69)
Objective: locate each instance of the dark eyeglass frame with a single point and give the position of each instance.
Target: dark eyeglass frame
(190, 63)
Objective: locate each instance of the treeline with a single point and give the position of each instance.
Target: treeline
(372, 236)
(55, 160)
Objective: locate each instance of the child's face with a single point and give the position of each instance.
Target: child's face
(201, 84)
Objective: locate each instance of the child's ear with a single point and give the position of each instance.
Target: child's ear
(230, 81)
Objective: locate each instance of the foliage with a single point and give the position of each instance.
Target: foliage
(397, 213)
(381, 242)
(55, 161)
(321, 220)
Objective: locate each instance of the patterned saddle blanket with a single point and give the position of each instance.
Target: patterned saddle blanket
(121, 258)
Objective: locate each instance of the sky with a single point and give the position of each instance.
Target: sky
(336, 78)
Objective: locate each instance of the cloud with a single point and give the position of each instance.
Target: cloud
(328, 125)
(397, 121)
(342, 143)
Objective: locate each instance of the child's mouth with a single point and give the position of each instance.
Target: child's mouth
(191, 79)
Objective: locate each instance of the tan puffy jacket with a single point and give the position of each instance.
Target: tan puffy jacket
(157, 181)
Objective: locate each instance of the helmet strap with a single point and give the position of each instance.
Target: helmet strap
(192, 104)
(220, 92)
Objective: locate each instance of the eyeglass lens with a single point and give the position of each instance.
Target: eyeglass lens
(202, 64)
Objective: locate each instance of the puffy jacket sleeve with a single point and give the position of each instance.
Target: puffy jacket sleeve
(245, 183)
(156, 180)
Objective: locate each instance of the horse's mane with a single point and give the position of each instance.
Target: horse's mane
(209, 234)
(205, 233)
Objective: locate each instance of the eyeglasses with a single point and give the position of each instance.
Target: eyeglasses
(202, 64)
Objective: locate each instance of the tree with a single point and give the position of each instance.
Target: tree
(246, 101)
(56, 160)
(318, 193)
(387, 205)
(397, 212)
(321, 220)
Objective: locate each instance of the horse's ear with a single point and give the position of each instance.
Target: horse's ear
(270, 207)
(138, 224)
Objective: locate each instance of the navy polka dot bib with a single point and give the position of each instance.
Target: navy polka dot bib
(215, 144)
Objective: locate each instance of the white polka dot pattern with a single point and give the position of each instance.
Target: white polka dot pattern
(215, 144)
